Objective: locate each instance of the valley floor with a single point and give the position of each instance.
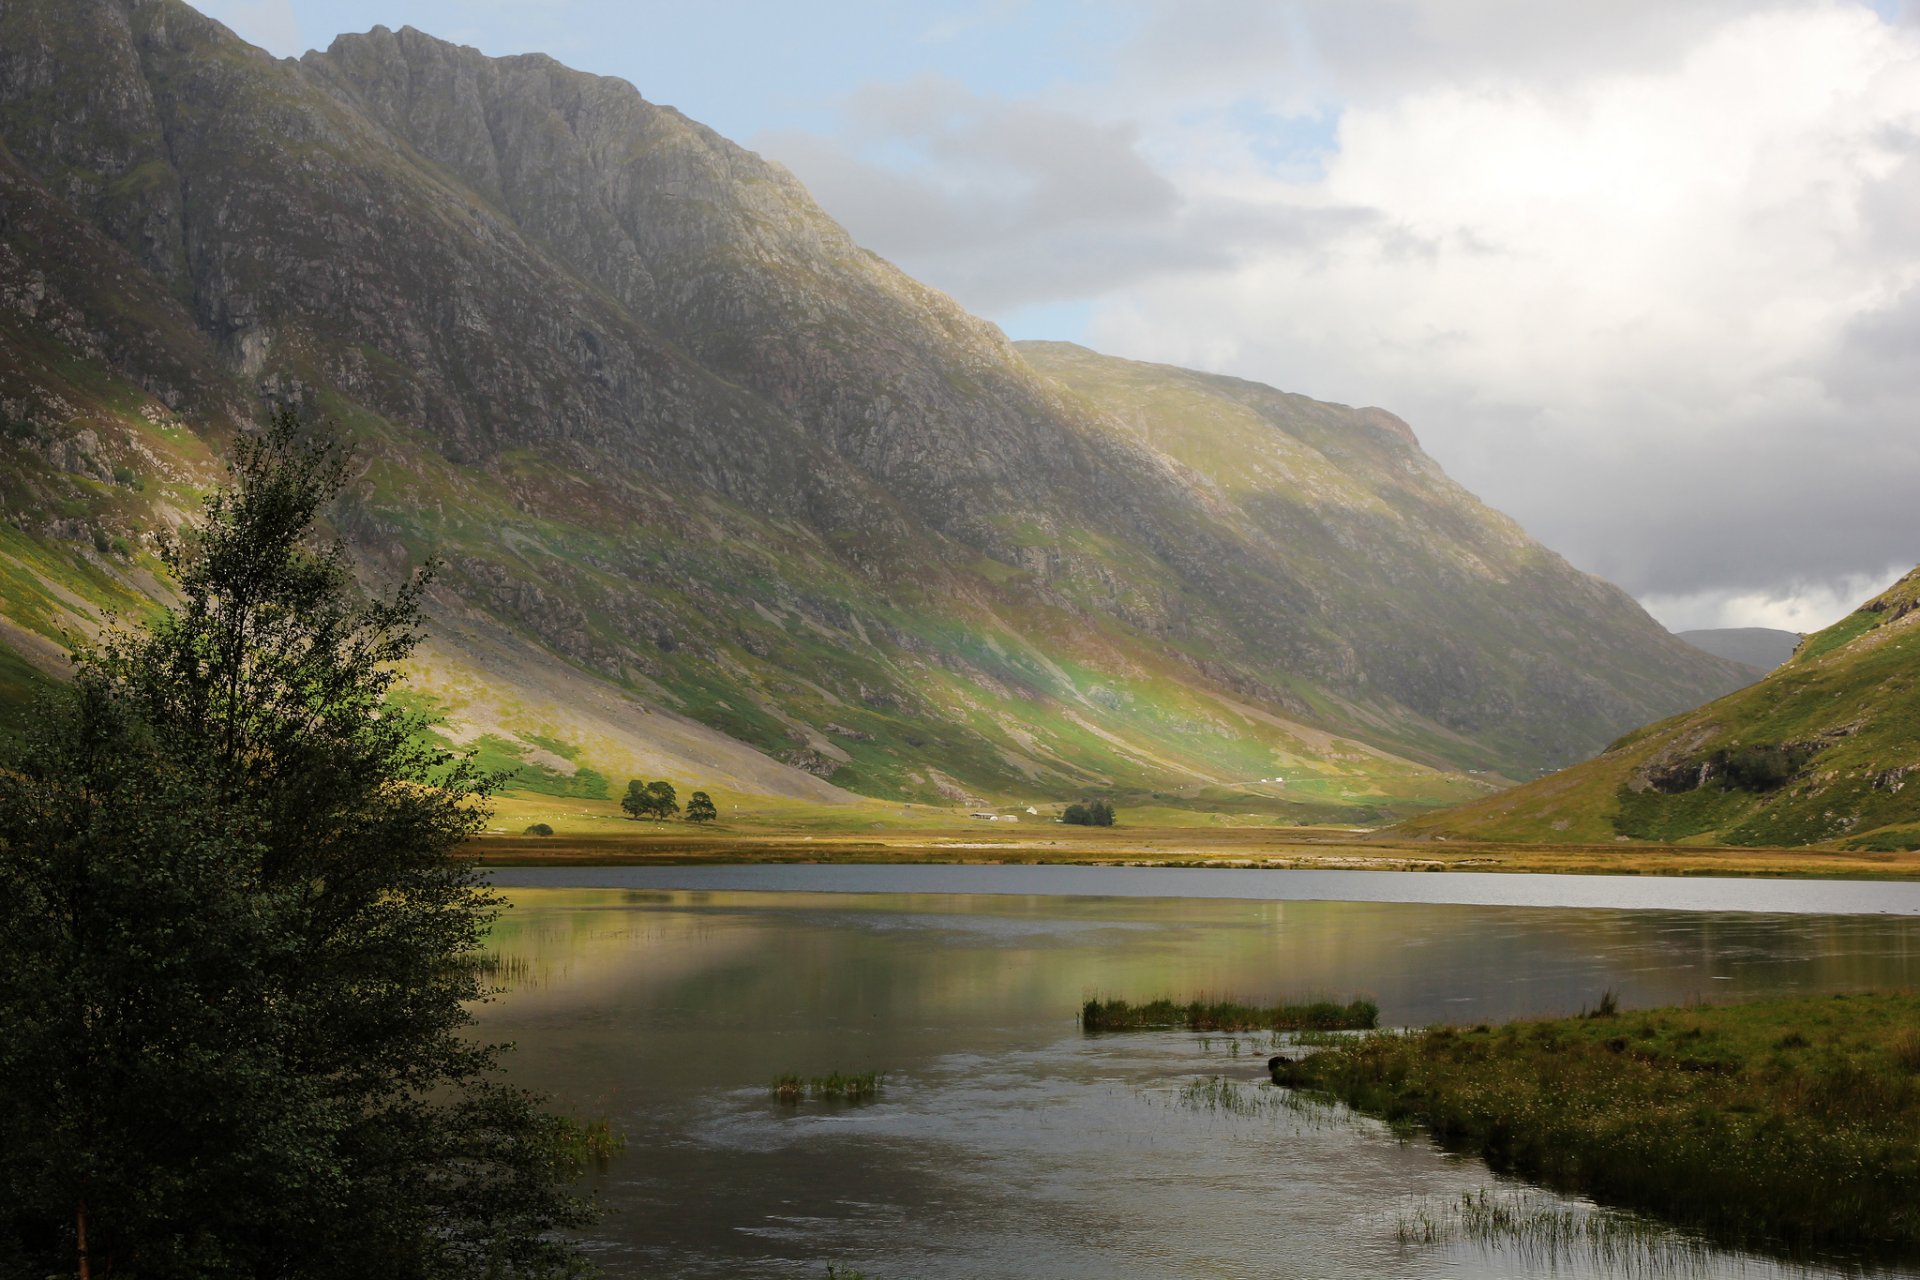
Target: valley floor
(585, 836)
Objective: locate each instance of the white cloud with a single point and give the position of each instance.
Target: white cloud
(1659, 313)
(1801, 606)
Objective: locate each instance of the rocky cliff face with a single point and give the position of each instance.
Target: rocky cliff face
(672, 428)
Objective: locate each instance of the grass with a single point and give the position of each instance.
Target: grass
(835, 1086)
(1548, 1231)
(1788, 1125)
(588, 1144)
(595, 833)
(1228, 1015)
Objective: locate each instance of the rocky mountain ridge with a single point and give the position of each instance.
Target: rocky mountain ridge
(674, 432)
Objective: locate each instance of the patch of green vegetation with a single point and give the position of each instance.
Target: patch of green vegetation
(1843, 632)
(835, 1086)
(581, 1145)
(1788, 1125)
(496, 754)
(1891, 840)
(1228, 1015)
(1669, 819)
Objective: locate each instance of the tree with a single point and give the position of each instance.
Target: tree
(235, 941)
(1088, 813)
(700, 808)
(636, 802)
(662, 803)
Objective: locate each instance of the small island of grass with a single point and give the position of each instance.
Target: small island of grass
(1787, 1125)
(1227, 1015)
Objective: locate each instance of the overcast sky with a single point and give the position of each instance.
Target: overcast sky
(1644, 274)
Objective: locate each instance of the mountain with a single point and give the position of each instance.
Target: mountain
(1762, 648)
(719, 494)
(1826, 749)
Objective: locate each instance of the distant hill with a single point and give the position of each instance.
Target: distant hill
(720, 494)
(1825, 749)
(1761, 647)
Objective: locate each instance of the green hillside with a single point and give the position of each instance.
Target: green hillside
(1825, 750)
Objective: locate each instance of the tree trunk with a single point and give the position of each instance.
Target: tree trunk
(80, 1233)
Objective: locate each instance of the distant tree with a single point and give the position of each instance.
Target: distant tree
(700, 808)
(235, 941)
(1089, 813)
(662, 803)
(636, 802)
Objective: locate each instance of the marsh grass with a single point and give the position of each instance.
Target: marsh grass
(588, 1144)
(1791, 1126)
(1548, 1233)
(835, 1086)
(1227, 1015)
(495, 968)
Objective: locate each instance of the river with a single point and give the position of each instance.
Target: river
(1007, 1143)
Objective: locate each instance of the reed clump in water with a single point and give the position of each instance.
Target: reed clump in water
(837, 1086)
(1787, 1125)
(505, 970)
(1228, 1015)
(1551, 1233)
(588, 1144)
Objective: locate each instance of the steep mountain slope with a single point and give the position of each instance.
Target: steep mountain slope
(1825, 749)
(690, 452)
(1458, 613)
(1762, 648)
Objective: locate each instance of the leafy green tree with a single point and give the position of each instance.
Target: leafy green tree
(662, 802)
(1077, 815)
(700, 808)
(636, 802)
(235, 942)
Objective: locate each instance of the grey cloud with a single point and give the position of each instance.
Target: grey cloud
(1758, 503)
(1008, 204)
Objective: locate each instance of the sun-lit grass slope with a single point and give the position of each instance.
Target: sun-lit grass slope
(1826, 749)
(718, 495)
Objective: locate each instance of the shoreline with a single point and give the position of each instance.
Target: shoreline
(1183, 848)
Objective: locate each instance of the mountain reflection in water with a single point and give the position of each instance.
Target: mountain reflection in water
(1008, 1144)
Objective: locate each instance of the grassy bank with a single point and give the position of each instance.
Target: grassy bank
(593, 833)
(1790, 1125)
(1226, 1015)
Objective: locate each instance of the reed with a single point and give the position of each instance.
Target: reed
(588, 1144)
(1227, 1015)
(836, 1086)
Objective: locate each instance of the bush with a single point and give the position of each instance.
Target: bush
(539, 829)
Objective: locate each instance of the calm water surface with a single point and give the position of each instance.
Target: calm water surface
(1009, 1144)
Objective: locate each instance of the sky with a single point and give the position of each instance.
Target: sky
(1643, 274)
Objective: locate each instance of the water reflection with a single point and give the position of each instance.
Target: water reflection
(1007, 1143)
